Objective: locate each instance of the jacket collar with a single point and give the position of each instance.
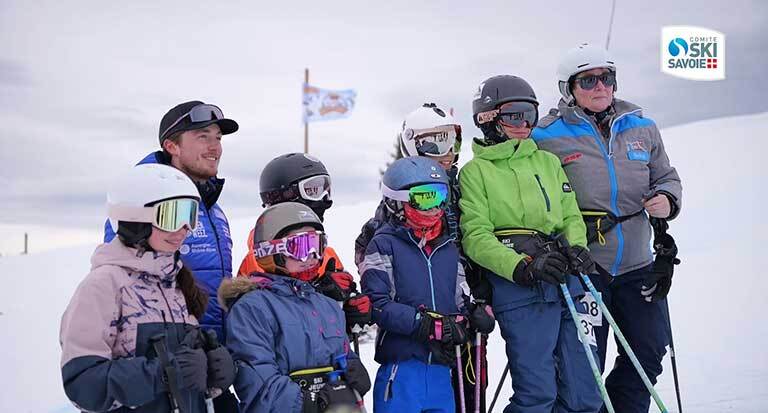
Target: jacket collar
(148, 266)
(510, 149)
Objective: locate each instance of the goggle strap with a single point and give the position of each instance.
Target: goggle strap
(390, 193)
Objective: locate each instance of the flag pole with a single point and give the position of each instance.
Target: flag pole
(306, 125)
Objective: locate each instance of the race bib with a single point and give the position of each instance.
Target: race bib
(591, 310)
(588, 329)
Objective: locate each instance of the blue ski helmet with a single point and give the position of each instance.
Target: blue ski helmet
(411, 171)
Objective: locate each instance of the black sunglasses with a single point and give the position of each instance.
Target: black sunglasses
(590, 81)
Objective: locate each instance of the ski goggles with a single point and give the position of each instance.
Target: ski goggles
(516, 114)
(589, 82)
(169, 215)
(437, 141)
(199, 113)
(422, 197)
(301, 246)
(314, 188)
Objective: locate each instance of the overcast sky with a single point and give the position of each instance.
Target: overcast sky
(83, 85)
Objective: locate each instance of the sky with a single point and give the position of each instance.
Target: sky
(83, 84)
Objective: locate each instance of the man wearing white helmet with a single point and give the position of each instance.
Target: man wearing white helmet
(615, 160)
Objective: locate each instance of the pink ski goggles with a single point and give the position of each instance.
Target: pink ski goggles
(301, 246)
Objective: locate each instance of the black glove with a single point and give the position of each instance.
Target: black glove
(357, 376)
(221, 368)
(191, 363)
(357, 311)
(334, 394)
(658, 282)
(435, 327)
(481, 318)
(550, 267)
(334, 284)
(580, 259)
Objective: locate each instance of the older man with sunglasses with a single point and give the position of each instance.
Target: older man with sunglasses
(615, 160)
(190, 140)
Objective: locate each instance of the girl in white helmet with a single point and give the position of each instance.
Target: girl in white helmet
(129, 336)
(616, 163)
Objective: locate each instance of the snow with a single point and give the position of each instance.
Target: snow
(716, 306)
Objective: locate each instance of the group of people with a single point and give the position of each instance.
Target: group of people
(160, 324)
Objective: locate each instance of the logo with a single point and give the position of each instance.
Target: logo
(572, 157)
(693, 53)
(636, 146)
(184, 250)
(567, 187)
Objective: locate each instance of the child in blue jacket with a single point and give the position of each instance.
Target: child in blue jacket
(412, 273)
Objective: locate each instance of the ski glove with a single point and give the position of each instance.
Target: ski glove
(481, 318)
(446, 329)
(549, 267)
(191, 363)
(357, 376)
(336, 394)
(580, 259)
(357, 311)
(657, 283)
(221, 368)
(337, 285)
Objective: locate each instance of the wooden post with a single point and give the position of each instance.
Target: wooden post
(26, 243)
(306, 125)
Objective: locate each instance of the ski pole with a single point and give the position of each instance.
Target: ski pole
(498, 388)
(460, 370)
(158, 342)
(674, 362)
(624, 344)
(478, 370)
(587, 349)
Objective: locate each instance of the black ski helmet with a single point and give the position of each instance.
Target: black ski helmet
(285, 171)
(496, 91)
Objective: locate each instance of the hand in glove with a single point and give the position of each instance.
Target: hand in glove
(221, 368)
(447, 329)
(191, 363)
(357, 311)
(580, 260)
(357, 376)
(481, 318)
(335, 284)
(334, 394)
(549, 267)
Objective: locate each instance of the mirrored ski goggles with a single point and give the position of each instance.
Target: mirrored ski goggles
(169, 215)
(589, 82)
(516, 114)
(199, 113)
(301, 246)
(422, 197)
(437, 141)
(314, 188)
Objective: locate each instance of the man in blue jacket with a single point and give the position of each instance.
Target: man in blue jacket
(190, 140)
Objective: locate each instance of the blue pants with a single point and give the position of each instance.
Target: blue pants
(550, 371)
(646, 328)
(413, 386)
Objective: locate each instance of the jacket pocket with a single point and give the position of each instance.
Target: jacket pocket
(544, 193)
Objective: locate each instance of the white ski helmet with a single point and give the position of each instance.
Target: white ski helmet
(579, 59)
(133, 194)
(429, 131)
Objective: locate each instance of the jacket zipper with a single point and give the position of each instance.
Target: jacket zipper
(170, 311)
(543, 192)
(218, 244)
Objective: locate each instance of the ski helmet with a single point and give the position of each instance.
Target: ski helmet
(131, 201)
(287, 178)
(429, 131)
(494, 92)
(408, 172)
(274, 223)
(580, 59)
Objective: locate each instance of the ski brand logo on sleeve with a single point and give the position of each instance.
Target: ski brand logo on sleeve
(572, 157)
(567, 187)
(693, 53)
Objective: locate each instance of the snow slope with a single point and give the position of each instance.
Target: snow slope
(716, 302)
